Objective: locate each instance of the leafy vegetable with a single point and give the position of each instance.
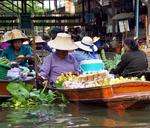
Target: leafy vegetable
(24, 95)
(111, 63)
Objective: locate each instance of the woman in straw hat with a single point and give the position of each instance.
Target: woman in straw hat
(41, 52)
(97, 42)
(16, 51)
(86, 51)
(60, 61)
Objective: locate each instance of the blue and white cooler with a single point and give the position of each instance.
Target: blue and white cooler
(91, 66)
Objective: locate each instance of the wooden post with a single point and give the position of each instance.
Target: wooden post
(89, 7)
(146, 29)
(148, 6)
(83, 11)
(34, 52)
(137, 18)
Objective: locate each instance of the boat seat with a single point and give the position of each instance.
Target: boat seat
(139, 74)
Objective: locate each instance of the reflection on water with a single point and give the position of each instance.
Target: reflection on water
(75, 115)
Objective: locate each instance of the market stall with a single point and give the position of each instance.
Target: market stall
(11, 72)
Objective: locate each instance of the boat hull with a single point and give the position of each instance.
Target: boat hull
(3, 84)
(123, 94)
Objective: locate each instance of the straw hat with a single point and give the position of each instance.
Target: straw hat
(38, 40)
(26, 43)
(86, 44)
(95, 39)
(62, 42)
(6, 36)
(15, 34)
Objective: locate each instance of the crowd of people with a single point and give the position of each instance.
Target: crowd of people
(63, 51)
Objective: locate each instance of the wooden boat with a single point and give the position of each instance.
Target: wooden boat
(122, 94)
(3, 83)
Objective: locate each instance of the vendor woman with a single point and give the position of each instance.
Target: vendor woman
(86, 50)
(17, 51)
(60, 61)
(133, 60)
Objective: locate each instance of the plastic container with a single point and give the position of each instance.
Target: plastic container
(91, 66)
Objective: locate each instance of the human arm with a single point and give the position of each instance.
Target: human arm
(4, 53)
(29, 54)
(45, 67)
(121, 65)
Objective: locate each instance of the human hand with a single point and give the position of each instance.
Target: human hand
(20, 57)
(29, 57)
(40, 79)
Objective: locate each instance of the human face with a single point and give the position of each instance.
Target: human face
(17, 44)
(62, 53)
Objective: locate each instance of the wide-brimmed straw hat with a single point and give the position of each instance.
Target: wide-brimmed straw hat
(95, 39)
(38, 40)
(87, 44)
(15, 34)
(63, 41)
(6, 36)
(26, 43)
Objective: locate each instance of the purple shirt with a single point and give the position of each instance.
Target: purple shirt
(53, 66)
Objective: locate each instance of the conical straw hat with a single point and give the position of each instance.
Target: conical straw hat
(63, 42)
(15, 34)
(38, 40)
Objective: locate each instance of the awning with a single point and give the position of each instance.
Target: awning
(122, 16)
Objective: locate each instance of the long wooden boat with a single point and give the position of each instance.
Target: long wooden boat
(122, 94)
(3, 83)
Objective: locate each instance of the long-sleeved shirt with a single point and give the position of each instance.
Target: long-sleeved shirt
(53, 66)
(131, 62)
(10, 54)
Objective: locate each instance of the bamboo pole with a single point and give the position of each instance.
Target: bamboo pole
(34, 53)
(148, 20)
(146, 26)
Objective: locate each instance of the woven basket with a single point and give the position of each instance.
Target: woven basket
(3, 71)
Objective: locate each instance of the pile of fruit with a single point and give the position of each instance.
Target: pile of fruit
(120, 79)
(69, 76)
(72, 82)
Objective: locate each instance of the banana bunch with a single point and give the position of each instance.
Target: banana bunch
(69, 76)
(5, 61)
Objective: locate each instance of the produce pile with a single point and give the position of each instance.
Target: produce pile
(91, 80)
(111, 63)
(5, 61)
(65, 77)
(24, 95)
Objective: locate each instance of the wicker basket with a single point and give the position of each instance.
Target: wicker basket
(3, 71)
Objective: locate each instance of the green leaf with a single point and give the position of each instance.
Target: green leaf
(17, 89)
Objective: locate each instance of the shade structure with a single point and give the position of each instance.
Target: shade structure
(122, 16)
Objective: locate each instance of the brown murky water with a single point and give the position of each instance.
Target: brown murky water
(73, 116)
